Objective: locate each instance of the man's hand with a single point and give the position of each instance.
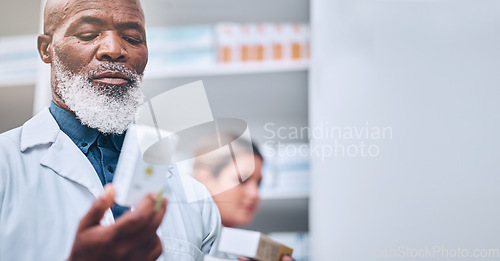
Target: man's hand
(132, 237)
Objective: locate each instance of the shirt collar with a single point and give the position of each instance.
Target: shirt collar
(83, 136)
(117, 140)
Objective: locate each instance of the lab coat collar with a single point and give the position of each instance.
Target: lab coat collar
(63, 156)
(41, 129)
(65, 159)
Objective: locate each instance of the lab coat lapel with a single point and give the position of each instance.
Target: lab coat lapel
(62, 155)
(65, 159)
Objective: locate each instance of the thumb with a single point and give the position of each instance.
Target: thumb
(97, 210)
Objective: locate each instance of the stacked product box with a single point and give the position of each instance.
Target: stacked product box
(299, 241)
(262, 42)
(19, 59)
(253, 245)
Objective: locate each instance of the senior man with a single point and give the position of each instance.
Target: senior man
(54, 201)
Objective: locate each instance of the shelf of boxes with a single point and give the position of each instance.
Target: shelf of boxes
(227, 49)
(226, 70)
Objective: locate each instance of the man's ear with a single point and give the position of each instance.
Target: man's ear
(45, 47)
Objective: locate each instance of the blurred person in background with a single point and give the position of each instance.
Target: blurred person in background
(233, 182)
(237, 200)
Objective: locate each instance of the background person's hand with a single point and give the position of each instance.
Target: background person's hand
(132, 237)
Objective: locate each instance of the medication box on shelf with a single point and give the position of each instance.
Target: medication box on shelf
(251, 244)
(261, 42)
(299, 241)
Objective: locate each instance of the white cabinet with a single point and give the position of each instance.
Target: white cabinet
(429, 70)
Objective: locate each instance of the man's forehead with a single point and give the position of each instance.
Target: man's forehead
(58, 11)
(128, 7)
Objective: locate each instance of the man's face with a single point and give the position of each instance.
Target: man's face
(99, 55)
(98, 31)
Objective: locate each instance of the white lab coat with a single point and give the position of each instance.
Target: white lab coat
(47, 185)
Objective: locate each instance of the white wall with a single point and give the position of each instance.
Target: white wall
(429, 70)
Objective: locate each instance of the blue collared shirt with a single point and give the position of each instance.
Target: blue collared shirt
(101, 150)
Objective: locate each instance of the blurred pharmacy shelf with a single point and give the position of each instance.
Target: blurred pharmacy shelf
(21, 81)
(19, 62)
(278, 195)
(281, 214)
(222, 70)
(16, 104)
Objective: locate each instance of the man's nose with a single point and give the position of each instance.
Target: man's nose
(111, 48)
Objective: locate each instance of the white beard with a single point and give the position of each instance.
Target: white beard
(107, 108)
